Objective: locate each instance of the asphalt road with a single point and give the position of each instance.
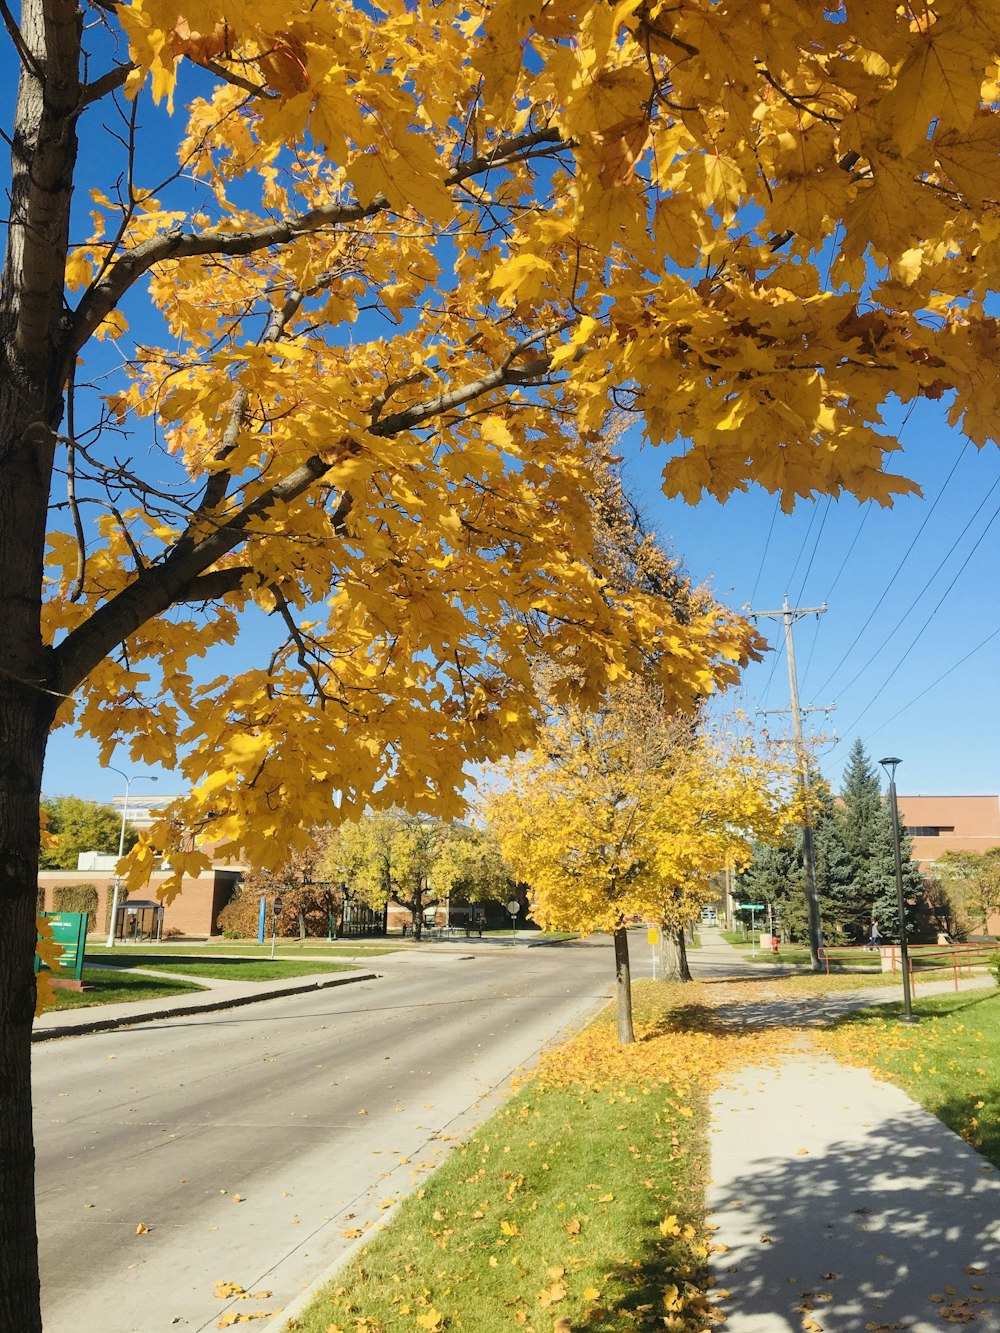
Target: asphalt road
(247, 1143)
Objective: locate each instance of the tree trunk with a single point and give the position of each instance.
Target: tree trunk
(673, 956)
(33, 355)
(417, 910)
(24, 722)
(623, 988)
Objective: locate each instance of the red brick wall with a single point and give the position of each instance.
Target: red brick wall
(190, 912)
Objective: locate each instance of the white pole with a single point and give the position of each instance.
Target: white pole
(121, 849)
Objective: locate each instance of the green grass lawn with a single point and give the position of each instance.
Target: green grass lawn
(222, 969)
(578, 1206)
(949, 1062)
(112, 988)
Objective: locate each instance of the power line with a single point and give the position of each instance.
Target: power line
(866, 510)
(767, 543)
(802, 549)
(916, 637)
(944, 674)
(941, 564)
(898, 570)
(805, 576)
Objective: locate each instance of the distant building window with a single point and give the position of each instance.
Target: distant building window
(929, 830)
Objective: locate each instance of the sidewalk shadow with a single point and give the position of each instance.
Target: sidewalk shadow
(882, 1225)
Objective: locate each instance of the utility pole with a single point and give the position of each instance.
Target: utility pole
(788, 615)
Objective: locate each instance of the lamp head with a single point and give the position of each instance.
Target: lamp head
(889, 765)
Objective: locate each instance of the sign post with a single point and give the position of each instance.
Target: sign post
(752, 908)
(275, 913)
(653, 936)
(513, 907)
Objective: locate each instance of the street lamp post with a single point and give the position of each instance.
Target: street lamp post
(908, 1016)
(121, 846)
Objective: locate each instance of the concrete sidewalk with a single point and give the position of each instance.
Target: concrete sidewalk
(840, 1204)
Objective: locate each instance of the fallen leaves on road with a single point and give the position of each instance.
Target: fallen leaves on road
(243, 1317)
(228, 1291)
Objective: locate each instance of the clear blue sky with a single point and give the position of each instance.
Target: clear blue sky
(911, 591)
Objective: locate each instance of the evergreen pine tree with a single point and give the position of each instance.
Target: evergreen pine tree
(858, 820)
(880, 878)
(860, 804)
(775, 876)
(843, 911)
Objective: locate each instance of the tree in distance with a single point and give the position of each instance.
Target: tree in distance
(775, 876)
(865, 820)
(307, 900)
(415, 861)
(307, 374)
(971, 882)
(627, 812)
(855, 863)
(73, 825)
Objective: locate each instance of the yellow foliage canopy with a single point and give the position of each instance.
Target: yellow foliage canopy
(627, 813)
(413, 258)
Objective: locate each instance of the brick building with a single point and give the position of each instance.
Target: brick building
(951, 824)
(195, 910)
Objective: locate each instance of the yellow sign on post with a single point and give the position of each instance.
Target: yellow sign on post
(653, 934)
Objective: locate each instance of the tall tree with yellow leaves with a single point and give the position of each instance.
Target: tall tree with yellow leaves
(625, 813)
(393, 250)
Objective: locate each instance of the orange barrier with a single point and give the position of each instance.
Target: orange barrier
(961, 958)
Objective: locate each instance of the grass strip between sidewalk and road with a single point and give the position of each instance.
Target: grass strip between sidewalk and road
(579, 1205)
(227, 969)
(107, 987)
(949, 1062)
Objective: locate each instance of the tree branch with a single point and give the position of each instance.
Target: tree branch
(108, 83)
(179, 577)
(14, 33)
(105, 294)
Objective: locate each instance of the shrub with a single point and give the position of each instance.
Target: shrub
(994, 966)
(76, 898)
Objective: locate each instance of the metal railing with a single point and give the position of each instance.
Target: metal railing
(960, 959)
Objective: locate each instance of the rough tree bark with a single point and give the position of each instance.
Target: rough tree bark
(24, 722)
(673, 956)
(32, 360)
(623, 988)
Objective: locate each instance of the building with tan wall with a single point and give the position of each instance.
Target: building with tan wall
(940, 824)
(194, 912)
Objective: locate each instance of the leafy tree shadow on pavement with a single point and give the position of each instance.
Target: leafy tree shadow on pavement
(881, 1228)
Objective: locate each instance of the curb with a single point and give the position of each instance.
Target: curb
(285, 1320)
(182, 1010)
